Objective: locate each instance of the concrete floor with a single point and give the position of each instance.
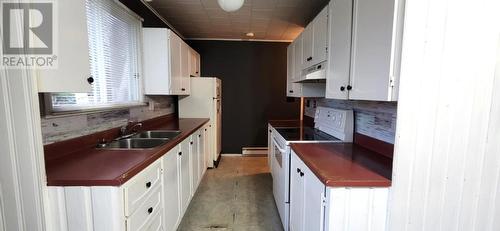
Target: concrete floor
(235, 196)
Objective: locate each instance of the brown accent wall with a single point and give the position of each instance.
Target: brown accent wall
(253, 78)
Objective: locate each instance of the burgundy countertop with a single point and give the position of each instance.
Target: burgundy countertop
(345, 164)
(89, 166)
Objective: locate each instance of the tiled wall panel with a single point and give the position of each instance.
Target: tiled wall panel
(374, 119)
(60, 128)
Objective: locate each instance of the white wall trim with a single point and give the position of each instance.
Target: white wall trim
(2, 212)
(22, 168)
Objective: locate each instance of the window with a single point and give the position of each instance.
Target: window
(114, 38)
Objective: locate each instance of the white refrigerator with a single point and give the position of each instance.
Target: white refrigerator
(205, 102)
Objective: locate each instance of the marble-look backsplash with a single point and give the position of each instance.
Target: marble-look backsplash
(59, 128)
(374, 119)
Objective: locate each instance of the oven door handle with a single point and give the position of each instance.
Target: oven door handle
(278, 147)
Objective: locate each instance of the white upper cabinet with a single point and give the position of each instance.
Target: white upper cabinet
(298, 53)
(194, 63)
(315, 38)
(185, 81)
(307, 46)
(174, 56)
(339, 57)
(320, 37)
(375, 50)
(294, 70)
(166, 63)
(73, 71)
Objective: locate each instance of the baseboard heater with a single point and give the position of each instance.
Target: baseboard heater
(254, 151)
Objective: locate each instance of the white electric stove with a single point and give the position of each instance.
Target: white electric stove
(330, 126)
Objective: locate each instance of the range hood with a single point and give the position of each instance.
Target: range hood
(315, 73)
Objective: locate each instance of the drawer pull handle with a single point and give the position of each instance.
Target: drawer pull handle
(298, 170)
(191, 142)
(150, 210)
(180, 153)
(148, 185)
(301, 174)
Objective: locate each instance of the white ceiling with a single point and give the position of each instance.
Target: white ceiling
(267, 19)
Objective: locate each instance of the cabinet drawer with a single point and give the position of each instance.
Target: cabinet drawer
(139, 188)
(156, 223)
(146, 212)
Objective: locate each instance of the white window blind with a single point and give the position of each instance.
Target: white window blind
(114, 37)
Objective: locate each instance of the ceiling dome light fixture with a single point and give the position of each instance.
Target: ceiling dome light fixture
(230, 5)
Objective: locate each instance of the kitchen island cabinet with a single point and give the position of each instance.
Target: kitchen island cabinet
(337, 187)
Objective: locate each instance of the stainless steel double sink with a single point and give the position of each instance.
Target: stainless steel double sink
(142, 140)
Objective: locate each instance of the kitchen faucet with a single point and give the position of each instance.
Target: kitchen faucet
(128, 129)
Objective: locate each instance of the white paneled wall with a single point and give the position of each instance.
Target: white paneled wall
(357, 209)
(2, 228)
(86, 208)
(22, 168)
(447, 152)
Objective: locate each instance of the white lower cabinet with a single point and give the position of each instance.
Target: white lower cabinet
(296, 195)
(197, 165)
(306, 198)
(315, 207)
(154, 199)
(171, 189)
(185, 181)
(194, 165)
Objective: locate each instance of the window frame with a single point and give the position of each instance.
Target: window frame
(49, 110)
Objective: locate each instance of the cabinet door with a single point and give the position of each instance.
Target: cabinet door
(201, 154)
(339, 45)
(198, 64)
(171, 189)
(194, 156)
(314, 192)
(320, 35)
(73, 52)
(185, 178)
(186, 81)
(296, 194)
(373, 23)
(290, 61)
(307, 45)
(156, 62)
(192, 63)
(175, 57)
(298, 54)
